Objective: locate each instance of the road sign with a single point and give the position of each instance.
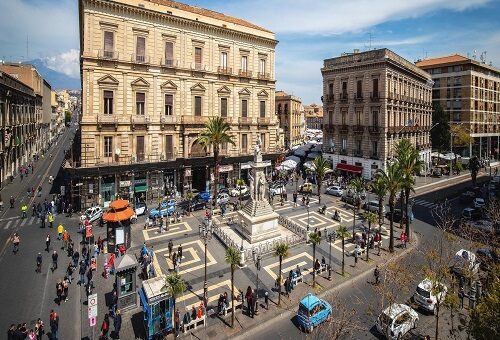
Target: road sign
(92, 311)
(93, 321)
(92, 307)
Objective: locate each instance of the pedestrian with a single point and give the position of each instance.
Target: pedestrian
(42, 220)
(174, 260)
(15, 241)
(65, 284)
(76, 258)
(59, 291)
(39, 331)
(82, 271)
(47, 243)
(54, 260)
(69, 272)
(249, 298)
(402, 239)
(378, 240)
(1, 203)
(31, 335)
(12, 200)
(39, 263)
(356, 249)
(60, 231)
(461, 295)
(376, 273)
(105, 327)
(177, 322)
(50, 219)
(170, 248)
(117, 324)
(54, 324)
(179, 253)
(65, 240)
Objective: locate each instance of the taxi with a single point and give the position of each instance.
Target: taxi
(312, 312)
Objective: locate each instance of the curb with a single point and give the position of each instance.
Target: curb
(245, 334)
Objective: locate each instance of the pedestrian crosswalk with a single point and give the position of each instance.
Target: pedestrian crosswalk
(424, 203)
(18, 222)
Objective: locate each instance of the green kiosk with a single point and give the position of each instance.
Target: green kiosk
(157, 307)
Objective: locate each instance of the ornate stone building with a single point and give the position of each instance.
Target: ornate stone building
(314, 116)
(290, 115)
(153, 73)
(371, 100)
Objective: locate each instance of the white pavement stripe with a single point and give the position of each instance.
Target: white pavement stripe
(8, 224)
(23, 222)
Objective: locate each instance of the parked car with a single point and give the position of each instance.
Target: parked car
(334, 190)
(464, 261)
(349, 199)
(140, 208)
(243, 189)
(204, 195)
(396, 320)
(479, 203)
(487, 257)
(92, 214)
(277, 189)
(471, 214)
(397, 215)
(222, 198)
(223, 191)
(467, 197)
(166, 208)
(373, 206)
(198, 205)
(306, 188)
(312, 312)
(428, 294)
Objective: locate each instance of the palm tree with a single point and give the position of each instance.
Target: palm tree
(215, 134)
(315, 239)
(380, 189)
(357, 186)
(410, 163)
(393, 180)
(233, 258)
(342, 232)
(371, 218)
(239, 183)
(175, 287)
(321, 166)
(281, 251)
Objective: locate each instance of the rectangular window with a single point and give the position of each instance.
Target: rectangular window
(109, 42)
(108, 102)
(244, 108)
(358, 147)
(344, 86)
(169, 146)
(375, 87)
(344, 144)
(375, 118)
(359, 89)
(108, 146)
(263, 139)
(140, 101)
(330, 117)
(375, 147)
(244, 142)
(262, 109)
(169, 53)
(244, 63)
(140, 148)
(197, 57)
(262, 66)
(344, 118)
(223, 107)
(330, 90)
(358, 118)
(169, 104)
(140, 49)
(197, 106)
(223, 60)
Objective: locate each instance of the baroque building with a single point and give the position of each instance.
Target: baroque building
(371, 100)
(314, 116)
(291, 118)
(153, 73)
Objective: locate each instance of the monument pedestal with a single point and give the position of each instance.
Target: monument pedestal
(259, 228)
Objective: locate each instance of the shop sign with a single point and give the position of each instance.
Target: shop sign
(225, 168)
(246, 166)
(140, 181)
(125, 184)
(187, 173)
(91, 188)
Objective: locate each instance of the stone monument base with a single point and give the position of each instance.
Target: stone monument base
(259, 228)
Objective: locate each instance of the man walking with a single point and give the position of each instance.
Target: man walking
(117, 324)
(461, 295)
(15, 241)
(60, 231)
(55, 256)
(47, 243)
(54, 324)
(376, 273)
(179, 253)
(39, 263)
(170, 248)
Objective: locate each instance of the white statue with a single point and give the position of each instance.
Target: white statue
(258, 150)
(262, 187)
(252, 188)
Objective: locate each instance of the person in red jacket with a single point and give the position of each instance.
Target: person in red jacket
(105, 327)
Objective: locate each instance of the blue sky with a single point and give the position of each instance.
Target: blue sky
(308, 30)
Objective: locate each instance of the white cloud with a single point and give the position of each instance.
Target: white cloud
(67, 63)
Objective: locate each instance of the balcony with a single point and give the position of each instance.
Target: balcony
(330, 128)
(224, 70)
(139, 120)
(167, 120)
(343, 152)
(359, 129)
(194, 120)
(264, 121)
(106, 119)
(358, 97)
(344, 97)
(375, 155)
(329, 98)
(343, 128)
(139, 59)
(245, 73)
(375, 96)
(374, 130)
(358, 153)
(264, 76)
(245, 120)
(198, 154)
(169, 63)
(109, 55)
(199, 67)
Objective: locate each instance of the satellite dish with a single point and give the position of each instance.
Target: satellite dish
(118, 151)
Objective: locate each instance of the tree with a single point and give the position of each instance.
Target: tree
(281, 251)
(175, 287)
(474, 167)
(357, 185)
(371, 218)
(392, 179)
(233, 258)
(342, 232)
(409, 161)
(380, 189)
(315, 239)
(239, 184)
(215, 134)
(67, 116)
(321, 166)
(440, 134)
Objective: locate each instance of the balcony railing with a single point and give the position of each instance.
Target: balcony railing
(111, 55)
(330, 128)
(374, 96)
(358, 153)
(168, 119)
(375, 155)
(343, 128)
(329, 98)
(374, 129)
(358, 97)
(245, 120)
(198, 67)
(245, 73)
(194, 119)
(140, 119)
(107, 119)
(343, 152)
(139, 59)
(170, 63)
(344, 97)
(264, 120)
(359, 128)
(225, 70)
(263, 75)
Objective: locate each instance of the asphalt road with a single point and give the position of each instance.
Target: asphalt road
(27, 295)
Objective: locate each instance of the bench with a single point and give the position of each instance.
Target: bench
(194, 323)
(237, 304)
(297, 279)
(322, 268)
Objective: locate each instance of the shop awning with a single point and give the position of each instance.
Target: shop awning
(349, 168)
(119, 210)
(141, 188)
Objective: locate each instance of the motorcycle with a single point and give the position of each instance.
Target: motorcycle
(336, 217)
(322, 210)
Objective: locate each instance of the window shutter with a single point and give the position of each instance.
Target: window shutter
(169, 52)
(197, 55)
(108, 94)
(140, 97)
(141, 46)
(169, 145)
(223, 107)
(108, 41)
(244, 108)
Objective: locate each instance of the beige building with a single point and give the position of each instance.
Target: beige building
(371, 100)
(469, 91)
(314, 116)
(290, 115)
(153, 73)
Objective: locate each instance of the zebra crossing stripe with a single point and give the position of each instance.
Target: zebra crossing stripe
(8, 224)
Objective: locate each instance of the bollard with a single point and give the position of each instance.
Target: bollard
(479, 289)
(472, 296)
(266, 300)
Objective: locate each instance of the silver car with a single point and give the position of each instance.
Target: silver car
(334, 190)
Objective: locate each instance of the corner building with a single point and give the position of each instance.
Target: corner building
(371, 100)
(153, 73)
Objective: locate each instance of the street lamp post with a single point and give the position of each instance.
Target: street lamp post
(307, 230)
(257, 260)
(330, 238)
(206, 232)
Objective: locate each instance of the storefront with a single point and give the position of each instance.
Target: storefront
(124, 186)
(107, 190)
(140, 188)
(169, 180)
(224, 175)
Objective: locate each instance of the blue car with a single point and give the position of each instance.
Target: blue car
(166, 208)
(204, 196)
(312, 312)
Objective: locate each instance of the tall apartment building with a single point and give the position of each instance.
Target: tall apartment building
(314, 116)
(371, 100)
(153, 73)
(290, 115)
(469, 91)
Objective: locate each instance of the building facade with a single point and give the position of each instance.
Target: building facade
(290, 115)
(371, 100)
(153, 73)
(18, 125)
(469, 91)
(314, 116)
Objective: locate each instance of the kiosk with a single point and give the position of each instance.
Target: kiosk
(125, 273)
(117, 220)
(157, 307)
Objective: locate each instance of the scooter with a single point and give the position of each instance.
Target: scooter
(336, 218)
(322, 210)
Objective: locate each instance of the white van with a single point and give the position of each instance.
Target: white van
(397, 320)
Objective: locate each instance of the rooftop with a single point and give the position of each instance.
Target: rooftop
(441, 60)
